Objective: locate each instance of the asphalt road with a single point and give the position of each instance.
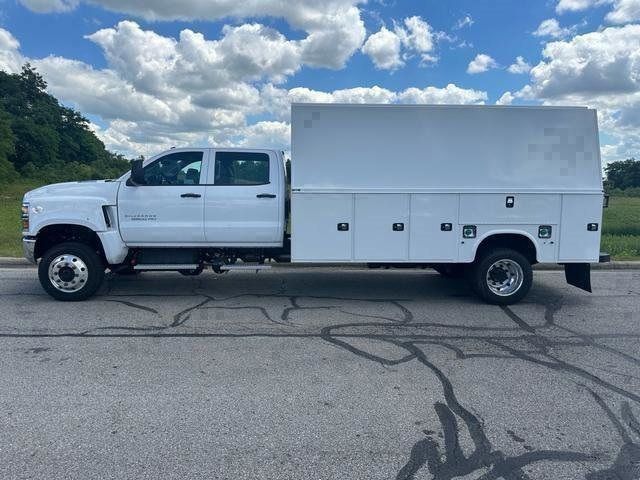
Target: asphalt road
(319, 374)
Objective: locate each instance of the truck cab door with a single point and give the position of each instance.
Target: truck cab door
(244, 202)
(168, 209)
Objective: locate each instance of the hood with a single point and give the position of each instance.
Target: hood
(105, 190)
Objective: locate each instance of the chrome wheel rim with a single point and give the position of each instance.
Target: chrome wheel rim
(68, 273)
(505, 277)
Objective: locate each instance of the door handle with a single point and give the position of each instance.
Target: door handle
(190, 195)
(266, 195)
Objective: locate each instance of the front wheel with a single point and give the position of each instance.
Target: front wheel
(71, 271)
(502, 276)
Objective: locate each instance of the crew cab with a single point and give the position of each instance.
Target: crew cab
(474, 191)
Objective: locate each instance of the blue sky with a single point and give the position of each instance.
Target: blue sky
(146, 85)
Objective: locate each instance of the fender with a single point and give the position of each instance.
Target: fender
(510, 231)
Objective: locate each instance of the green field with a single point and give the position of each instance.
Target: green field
(621, 229)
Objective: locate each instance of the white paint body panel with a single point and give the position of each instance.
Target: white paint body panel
(456, 148)
(428, 165)
(317, 217)
(576, 243)
(374, 238)
(427, 241)
(235, 216)
(158, 215)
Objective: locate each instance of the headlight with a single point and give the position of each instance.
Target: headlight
(25, 216)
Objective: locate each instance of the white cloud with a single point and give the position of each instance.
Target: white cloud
(10, 58)
(577, 5)
(335, 30)
(551, 28)
(416, 35)
(463, 22)
(451, 94)
(606, 62)
(506, 99)
(481, 63)
(266, 134)
(598, 69)
(48, 6)
(519, 67)
(624, 11)
(383, 47)
(389, 49)
(278, 101)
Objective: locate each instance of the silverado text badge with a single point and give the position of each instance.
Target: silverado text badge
(141, 217)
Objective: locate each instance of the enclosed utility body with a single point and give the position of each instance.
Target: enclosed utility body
(474, 190)
(402, 181)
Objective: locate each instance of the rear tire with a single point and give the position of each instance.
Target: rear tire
(502, 276)
(191, 273)
(71, 271)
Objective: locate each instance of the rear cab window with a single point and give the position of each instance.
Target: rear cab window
(241, 168)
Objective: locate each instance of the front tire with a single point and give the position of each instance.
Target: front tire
(502, 276)
(71, 271)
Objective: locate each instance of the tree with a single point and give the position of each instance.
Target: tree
(46, 141)
(623, 174)
(7, 147)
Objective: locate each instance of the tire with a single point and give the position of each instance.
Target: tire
(502, 276)
(76, 262)
(451, 270)
(191, 273)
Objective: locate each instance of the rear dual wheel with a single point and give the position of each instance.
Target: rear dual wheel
(502, 276)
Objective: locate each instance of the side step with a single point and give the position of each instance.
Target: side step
(167, 266)
(193, 266)
(245, 267)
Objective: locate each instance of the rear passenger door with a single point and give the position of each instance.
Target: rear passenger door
(244, 204)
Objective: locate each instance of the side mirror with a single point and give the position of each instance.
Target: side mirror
(137, 173)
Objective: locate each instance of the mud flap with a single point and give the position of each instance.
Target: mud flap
(578, 275)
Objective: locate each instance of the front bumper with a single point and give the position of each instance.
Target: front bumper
(28, 248)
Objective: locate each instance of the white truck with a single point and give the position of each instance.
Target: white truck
(475, 191)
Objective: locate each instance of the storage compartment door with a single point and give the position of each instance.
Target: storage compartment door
(375, 238)
(577, 243)
(434, 227)
(315, 235)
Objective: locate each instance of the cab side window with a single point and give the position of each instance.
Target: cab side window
(179, 168)
(241, 168)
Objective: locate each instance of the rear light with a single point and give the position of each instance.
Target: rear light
(592, 227)
(544, 231)
(25, 217)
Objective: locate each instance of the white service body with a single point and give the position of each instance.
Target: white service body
(375, 165)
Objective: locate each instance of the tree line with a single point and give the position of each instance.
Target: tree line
(43, 141)
(623, 177)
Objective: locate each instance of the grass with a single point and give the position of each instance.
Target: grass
(10, 229)
(621, 228)
(620, 234)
